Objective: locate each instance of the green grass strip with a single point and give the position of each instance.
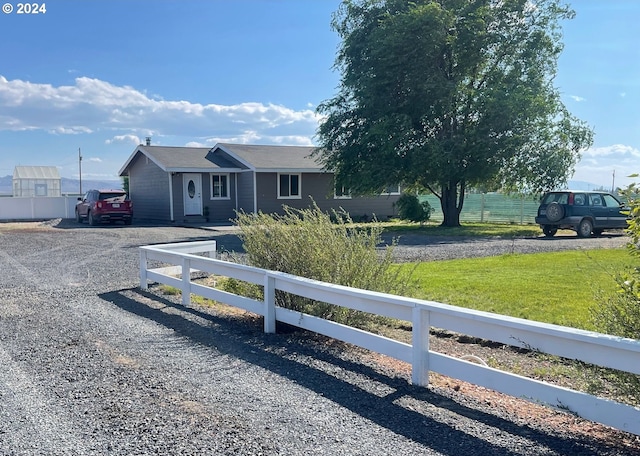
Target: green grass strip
(557, 287)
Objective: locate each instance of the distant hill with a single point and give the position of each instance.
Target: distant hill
(68, 185)
(73, 185)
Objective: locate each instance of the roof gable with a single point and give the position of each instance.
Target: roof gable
(179, 159)
(273, 158)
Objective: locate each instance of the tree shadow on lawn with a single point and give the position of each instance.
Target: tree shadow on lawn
(428, 420)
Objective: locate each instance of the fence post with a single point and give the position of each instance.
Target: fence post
(214, 252)
(482, 208)
(420, 342)
(143, 270)
(269, 304)
(186, 282)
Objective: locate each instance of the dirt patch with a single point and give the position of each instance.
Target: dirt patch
(29, 226)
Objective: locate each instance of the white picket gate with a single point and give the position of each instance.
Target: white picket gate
(589, 347)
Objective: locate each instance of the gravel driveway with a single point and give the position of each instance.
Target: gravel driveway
(91, 365)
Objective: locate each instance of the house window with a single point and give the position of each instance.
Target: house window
(289, 186)
(342, 192)
(219, 186)
(392, 190)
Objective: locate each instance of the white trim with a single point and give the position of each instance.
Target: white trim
(235, 186)
(299, 195)
(344, 196)
(292, 170)
(171, 215)
(255, 193)
(234, 156)
(398, 192)
(219, 198)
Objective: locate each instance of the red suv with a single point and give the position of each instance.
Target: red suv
(99, 206)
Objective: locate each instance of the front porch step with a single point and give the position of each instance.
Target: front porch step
(194, 219)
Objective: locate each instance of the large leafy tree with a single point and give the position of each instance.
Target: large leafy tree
(448, 94)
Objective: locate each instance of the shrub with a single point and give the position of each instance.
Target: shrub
(410, 208)
(306, 243)
(619, 314)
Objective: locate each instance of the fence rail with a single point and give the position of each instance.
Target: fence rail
(594, 348)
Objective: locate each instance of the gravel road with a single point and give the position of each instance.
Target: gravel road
(92, 365)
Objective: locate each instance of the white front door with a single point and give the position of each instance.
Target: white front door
(192, 190)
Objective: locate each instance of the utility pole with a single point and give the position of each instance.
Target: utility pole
(613, 182)
(80, 169)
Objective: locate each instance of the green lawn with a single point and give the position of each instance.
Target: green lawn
(557, 287)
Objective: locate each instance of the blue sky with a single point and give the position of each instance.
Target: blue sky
(101, 75)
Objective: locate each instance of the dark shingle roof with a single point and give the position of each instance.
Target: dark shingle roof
(170, 158)
(265, 158)
(229, 157)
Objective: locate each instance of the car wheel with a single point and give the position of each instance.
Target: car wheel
(554, 212)
(585, 228)
(549, 230)
(92, 221)
(78, 218)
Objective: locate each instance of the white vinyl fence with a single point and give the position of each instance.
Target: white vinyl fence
(589, 347)
(37, 208)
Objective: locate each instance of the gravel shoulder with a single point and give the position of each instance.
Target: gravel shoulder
(93, 365)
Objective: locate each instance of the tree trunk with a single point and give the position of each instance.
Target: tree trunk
(451, 201)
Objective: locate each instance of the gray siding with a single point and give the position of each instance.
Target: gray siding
(319, 187)
(245, 191)
(220, 210)
(149, 190)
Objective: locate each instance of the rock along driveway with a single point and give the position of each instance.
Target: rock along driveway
(91, 365)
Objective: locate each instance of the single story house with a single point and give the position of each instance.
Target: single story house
(183, 184)
(31, 181)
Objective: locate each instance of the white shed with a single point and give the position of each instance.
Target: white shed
(33, 181)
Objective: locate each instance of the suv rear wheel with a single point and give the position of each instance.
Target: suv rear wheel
(549, 230)
(585, 228)
(555, 212)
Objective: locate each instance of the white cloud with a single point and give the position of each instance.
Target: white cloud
(616, 150)
(608, 166)
(93, 105)
(95, 159)
(75, 130)
(135, 140)
(577, 98)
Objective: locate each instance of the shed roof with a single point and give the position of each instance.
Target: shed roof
(36, 172)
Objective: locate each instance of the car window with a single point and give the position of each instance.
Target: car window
(579, 199)
(561, 198)
(596, 200)
(112, 196)
(610, 201)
